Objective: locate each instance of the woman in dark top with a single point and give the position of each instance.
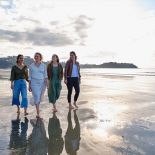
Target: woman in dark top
(18, 78)
(72, 78)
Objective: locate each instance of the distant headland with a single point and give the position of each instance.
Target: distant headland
(110, 65)
(7, 62)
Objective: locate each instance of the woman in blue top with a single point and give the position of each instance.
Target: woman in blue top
(37, 81)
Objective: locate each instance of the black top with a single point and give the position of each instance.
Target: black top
(17, 73)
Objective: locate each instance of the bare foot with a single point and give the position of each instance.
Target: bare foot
(18, 114)
(18, 111)
(55, 110)
(37, 116)
(75, 110)
(26, 113)
(71, 107)
(75, 106)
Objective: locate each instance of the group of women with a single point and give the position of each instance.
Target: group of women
(39, 76)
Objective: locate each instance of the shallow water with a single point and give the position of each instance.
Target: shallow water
(115, 116)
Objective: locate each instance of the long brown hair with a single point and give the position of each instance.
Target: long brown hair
(72, 52)
(56, 57)
(18, 57)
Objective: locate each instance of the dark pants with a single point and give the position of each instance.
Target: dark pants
(73, 82)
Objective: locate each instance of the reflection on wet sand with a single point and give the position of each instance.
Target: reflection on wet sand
(18, 137)
(56, 142)
(37, 141)
(72, 137)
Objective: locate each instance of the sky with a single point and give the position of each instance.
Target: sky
(97, 30)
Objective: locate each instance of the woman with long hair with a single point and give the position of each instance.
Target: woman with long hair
(18, 78)
(55, 75)
(72, 78)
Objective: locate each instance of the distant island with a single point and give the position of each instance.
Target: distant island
(7, 62)
(110, 65)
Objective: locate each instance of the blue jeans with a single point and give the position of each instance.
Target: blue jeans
(20, 87)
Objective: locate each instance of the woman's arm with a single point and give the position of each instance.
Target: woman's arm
(30, 89)
(12, 76)
(45, 76)
(12, 85)
(26, 74)
(61, 71)
(79, 72)
(29, 79)
(65, 72)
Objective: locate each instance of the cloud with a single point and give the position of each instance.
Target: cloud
(54, 23)
(81, 24)
(38, 36)
(22, 18)
(75, 26)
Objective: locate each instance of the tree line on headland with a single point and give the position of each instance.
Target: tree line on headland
(7, 62)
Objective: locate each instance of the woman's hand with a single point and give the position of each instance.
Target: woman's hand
(47, 83)
(65, 81)
(12, 85)
(30, 89)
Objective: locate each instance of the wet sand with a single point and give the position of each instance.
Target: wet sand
(115, 116)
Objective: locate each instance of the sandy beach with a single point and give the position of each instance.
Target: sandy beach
(115, 117)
